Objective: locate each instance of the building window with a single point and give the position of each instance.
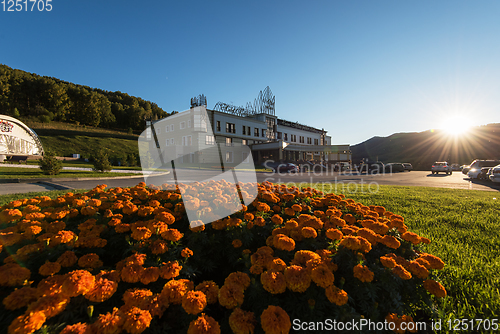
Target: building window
(166, 128)
(189, 123)
(294, 138)
(286, 136)
(229, 156)
(172, 141)
(230, 128)
(229, 141)
(309, 140)
(210, 140)
(171, 127)
(166, 143)
(244, 130)
(249, 132)
(157, 130)
(316, 141)
(243, 142)
(301, 139)
(255, 132)
(279, 135)
(186, 140)
(218, 126)
(182, 125)
(263, 132)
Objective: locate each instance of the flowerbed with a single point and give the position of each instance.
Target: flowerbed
(127, 260)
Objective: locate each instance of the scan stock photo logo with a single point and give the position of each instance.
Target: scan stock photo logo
(215, 179)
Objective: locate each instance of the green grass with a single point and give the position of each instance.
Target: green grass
(463, 226)
(30, 173)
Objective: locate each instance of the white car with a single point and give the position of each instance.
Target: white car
(495, 174)
(441, 167)
(476, 165)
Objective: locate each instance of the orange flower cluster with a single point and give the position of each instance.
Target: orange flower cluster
(292, 241)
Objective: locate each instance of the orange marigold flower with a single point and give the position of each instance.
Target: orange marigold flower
(210, 289)
(78, 282)
(336, 295)
(435, 288)
(276, 264)
(309, 232)
(277, 219)
(281, 241)
(158, 247)
(135, 296)
(418, 270)
(411, 237)
(173, 290)
(351, 242)
(20, 298)
(186, 252)
(141, 233)
(390, 241)
(296, 208)
(49, 268)
(237, 243)
(193, 302)
(27, 323)
(334, 234)
(12, 274)
(238, 278)
(289, 212)
(109, 323)
(297, 278)
(434, 261)
(145, 211)
(273, 281)
(90, 260)
(150, 275)
(170, 270)
(8, 239)
(172, 235)
(259, 221)
(322, 276)
(363, 273)
(401, 272)
(248, 216)
(387, 261)
(103, 290)
(136, 320)
(231, 295)
(303, 256)
(204, 324)
(51, 285)
(366, 246)
(242, 322)
(132, 273)
(275, 320)
(50, 306)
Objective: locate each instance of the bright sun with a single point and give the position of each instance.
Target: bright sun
(456, 125)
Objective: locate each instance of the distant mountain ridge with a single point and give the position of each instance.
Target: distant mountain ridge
(421, 149)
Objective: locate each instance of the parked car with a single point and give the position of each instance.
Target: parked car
(408, 166)
(394, 167)
(477, 165)
(465, 169)
(441, 166)
(483, 175)
(494, 174)
(282, 167)
(455, 167)
(372, 167)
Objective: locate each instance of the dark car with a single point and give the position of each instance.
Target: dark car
(408, 166)
(394, 167)
(372, 167)
(484, 173)
(282, 167)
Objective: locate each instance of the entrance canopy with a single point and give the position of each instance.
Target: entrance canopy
(18, 139)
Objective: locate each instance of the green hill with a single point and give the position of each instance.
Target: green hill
(423, 148)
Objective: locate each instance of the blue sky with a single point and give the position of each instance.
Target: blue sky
(358, 69)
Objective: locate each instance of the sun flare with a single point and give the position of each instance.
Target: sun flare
(456, 125)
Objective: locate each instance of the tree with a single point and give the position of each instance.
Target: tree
(100, 160)
(49, 164)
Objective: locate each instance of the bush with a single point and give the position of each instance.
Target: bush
(49, 164)
(131, 257)
(100, 160)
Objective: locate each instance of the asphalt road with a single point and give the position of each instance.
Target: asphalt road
(338, 182)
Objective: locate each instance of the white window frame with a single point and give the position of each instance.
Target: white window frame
(182, 125)
(171, 127)
(229, 156)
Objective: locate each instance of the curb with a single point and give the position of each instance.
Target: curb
(54, 179)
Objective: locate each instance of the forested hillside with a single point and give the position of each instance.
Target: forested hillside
(29, 96)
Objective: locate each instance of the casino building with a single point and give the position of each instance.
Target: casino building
(256, 126)
(17, 139)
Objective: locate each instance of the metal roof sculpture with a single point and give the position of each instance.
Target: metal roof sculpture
(263, 104)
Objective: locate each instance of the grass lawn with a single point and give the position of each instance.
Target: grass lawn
(463, 228)
(30, 173)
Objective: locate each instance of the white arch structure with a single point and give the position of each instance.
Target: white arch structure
(16, 138)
